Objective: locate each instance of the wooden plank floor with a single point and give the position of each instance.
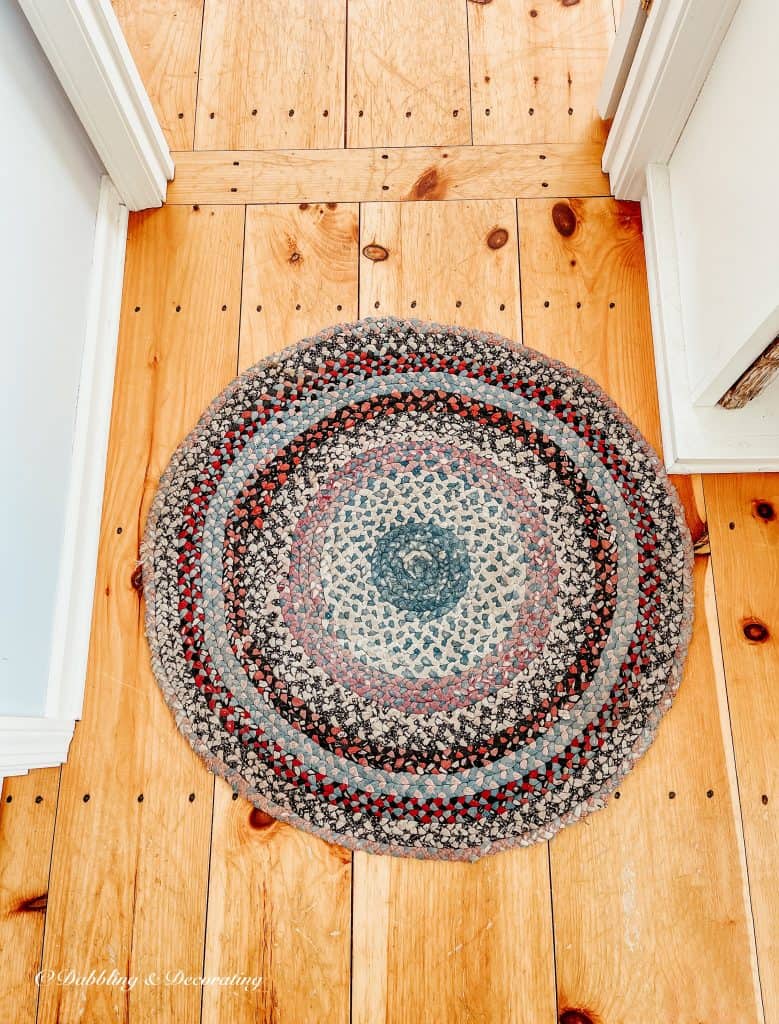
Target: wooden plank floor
(304, 135)
(536, 69)
(132, 836)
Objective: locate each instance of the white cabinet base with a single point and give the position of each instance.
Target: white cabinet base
(696, 439)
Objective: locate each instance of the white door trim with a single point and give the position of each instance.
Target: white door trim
(696, 439)
(631, 25)
(676, 51)
(85, 47)
(88, 53)
(78, 561)
(677, 48)
(40, 741)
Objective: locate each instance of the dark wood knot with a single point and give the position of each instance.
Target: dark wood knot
(259, 819)
(426, 182)
(136, 580)
(35, 903)
(755, 631)
(375, 252)
(569, 3)
(564, 219)
(576, 1017)
(764, 510)
(497, 238)
(295, 257)
(428, 186)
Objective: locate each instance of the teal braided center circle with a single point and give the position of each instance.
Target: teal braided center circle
(421, 567)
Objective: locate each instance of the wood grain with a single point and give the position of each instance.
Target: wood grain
(389, 175)
(164, 39)
(584, 297)
(300, 274)
(408, 73)
(272, 75)
(278, 909)
(744, 517)
(652, 890)
(454, 942)
(442, 263)
(426, 935)
(27, 813)
(130, 860)
(536, 69)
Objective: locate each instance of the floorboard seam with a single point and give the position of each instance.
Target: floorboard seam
(741, 831)
(554, 937)
(208, 888)
(197, 78)
(240, 292)
(470, 75)
(48, 889)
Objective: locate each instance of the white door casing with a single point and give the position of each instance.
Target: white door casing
(682, 50)
(89, 55)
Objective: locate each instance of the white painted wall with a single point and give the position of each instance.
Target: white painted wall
(49, 181)
(723, 176)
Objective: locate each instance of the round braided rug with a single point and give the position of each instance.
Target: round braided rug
(417, 589)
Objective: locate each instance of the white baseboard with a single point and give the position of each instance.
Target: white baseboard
(696, 439)
(27, 743)
(42, 741)
(78, 561)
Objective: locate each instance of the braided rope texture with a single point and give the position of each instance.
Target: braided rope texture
(417, 589)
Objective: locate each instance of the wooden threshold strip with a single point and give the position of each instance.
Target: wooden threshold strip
(389, 174)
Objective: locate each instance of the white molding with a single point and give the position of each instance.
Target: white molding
(631, 25)
(27, 743)
(696, 439)
(713, 385)
(85, 46)
(78, 561)
(677, 48)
